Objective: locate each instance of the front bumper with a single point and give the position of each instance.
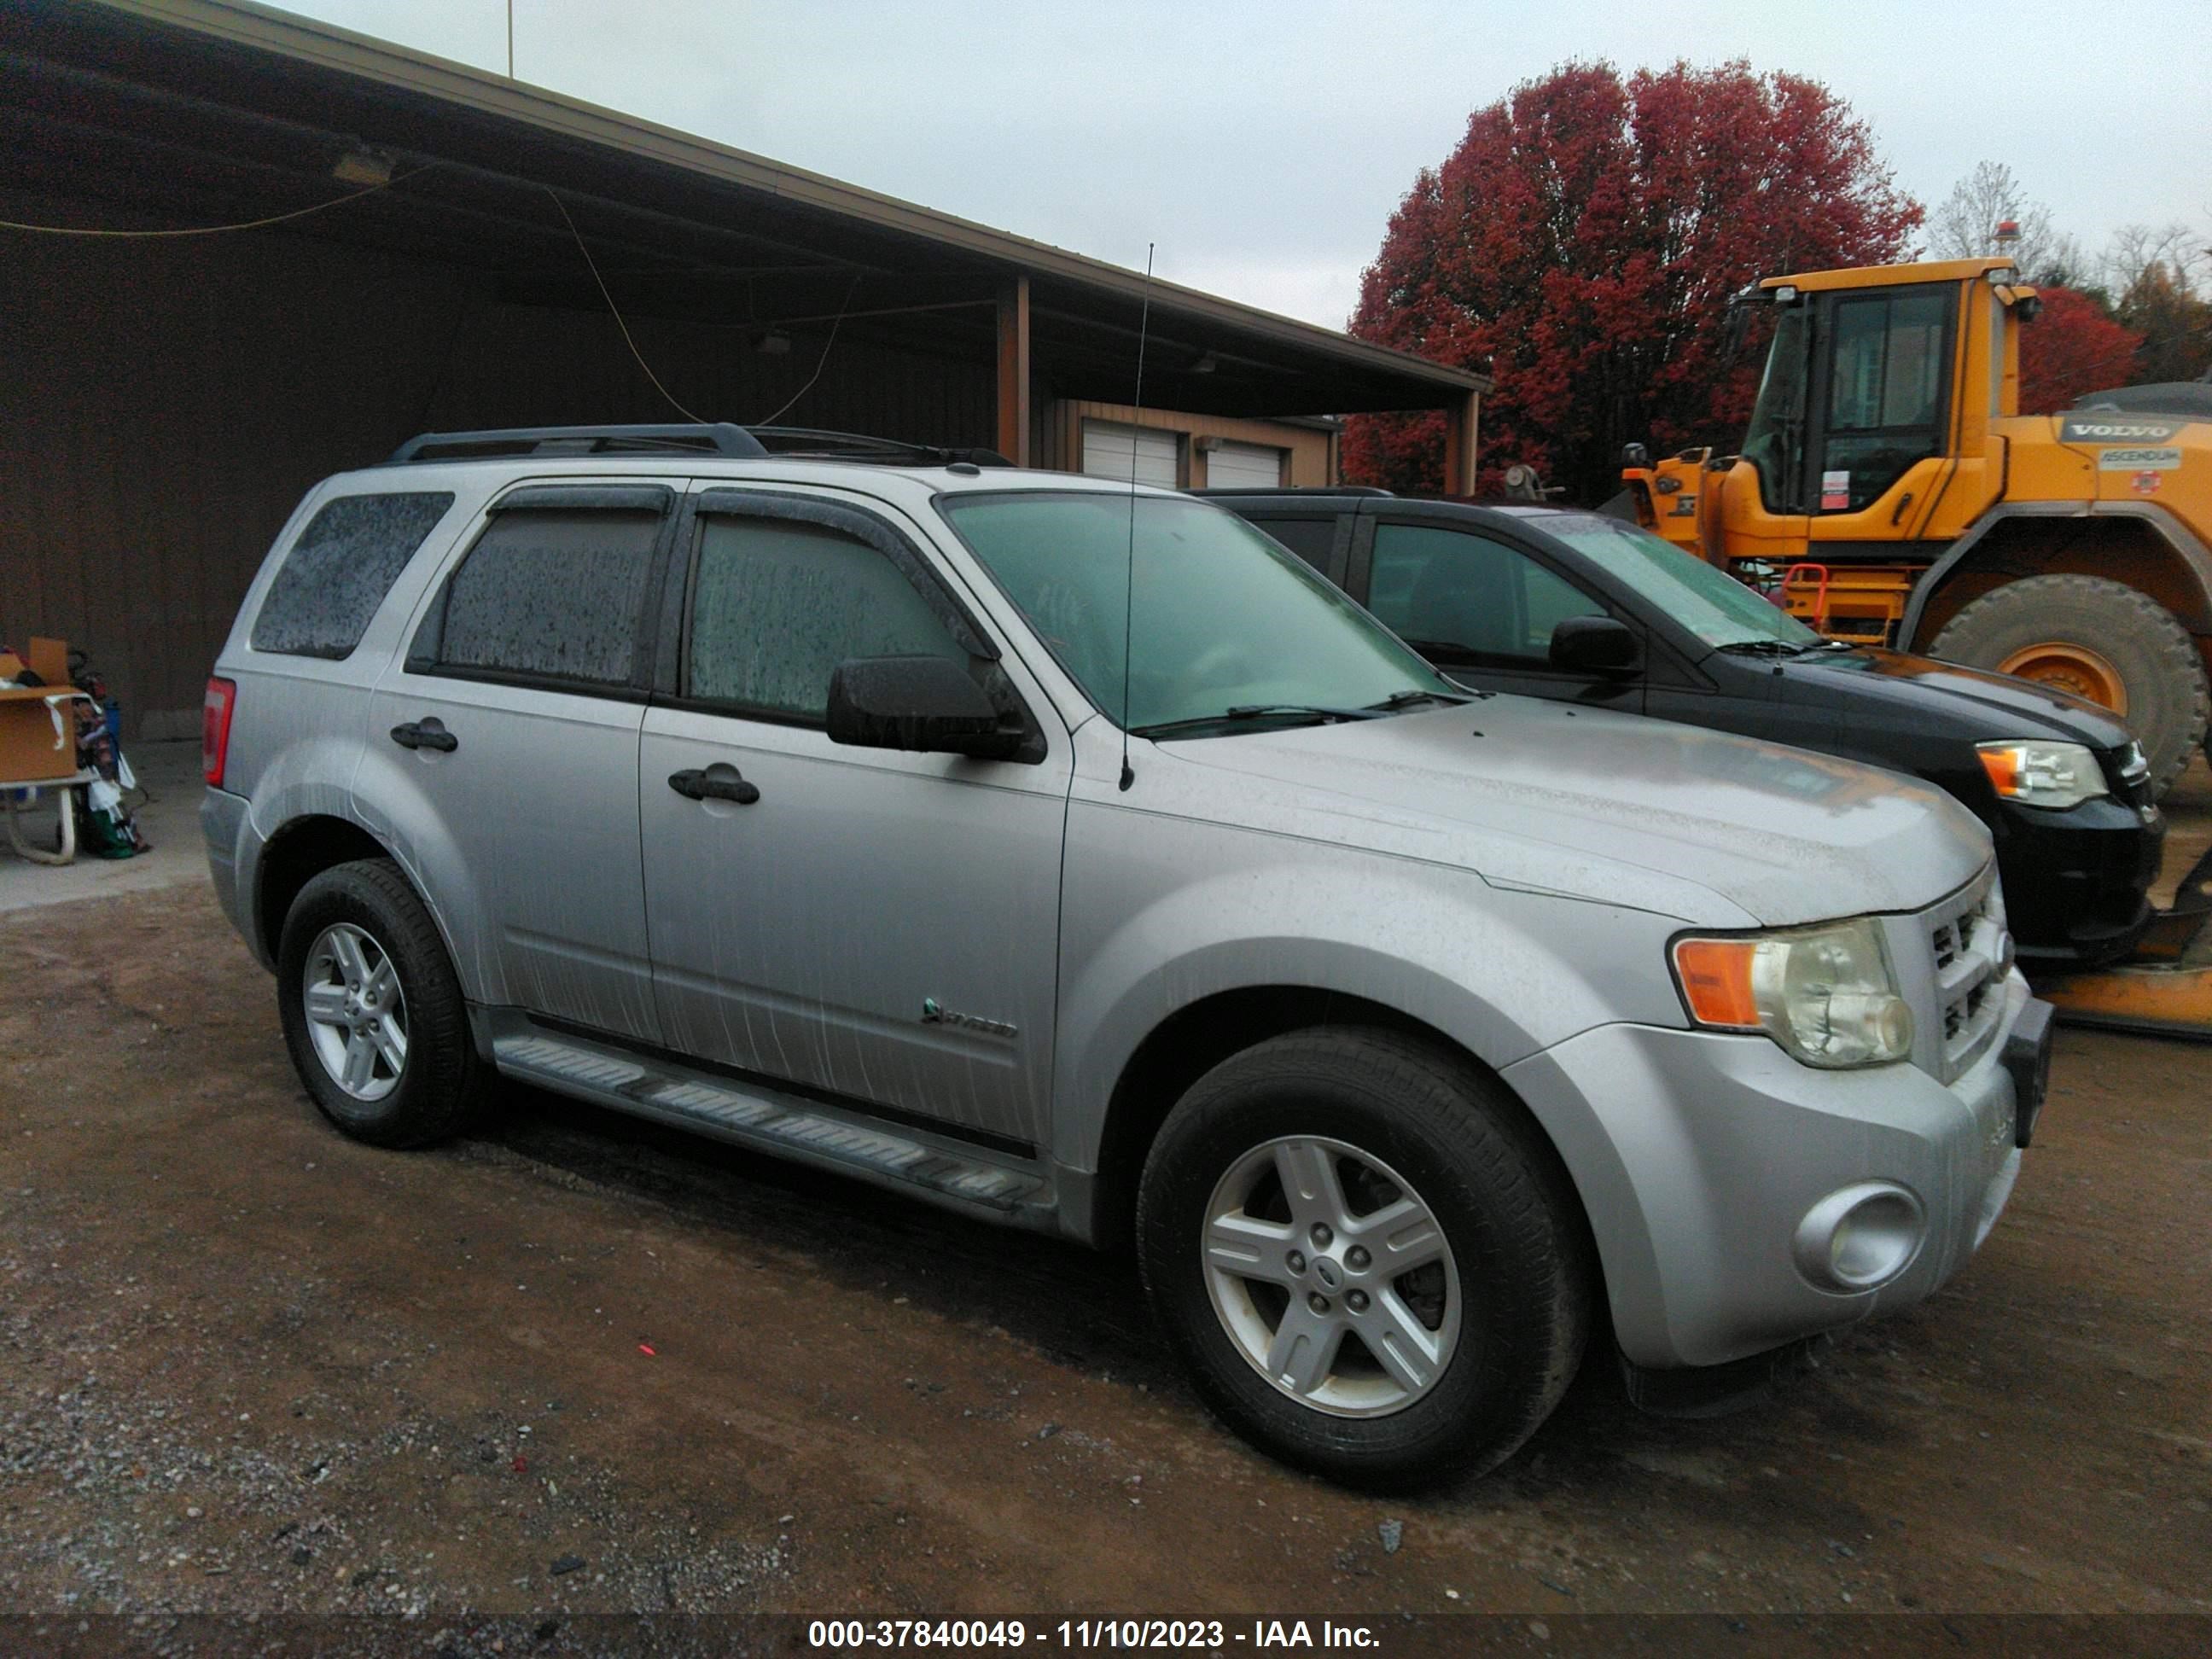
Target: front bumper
(2076, 880)
(1699, 1155)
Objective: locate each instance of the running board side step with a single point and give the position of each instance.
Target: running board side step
(759, 1116)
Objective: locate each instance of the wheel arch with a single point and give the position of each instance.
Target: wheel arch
(1201, 1034)
(2139, 544)
(305, 846)
(300, 851)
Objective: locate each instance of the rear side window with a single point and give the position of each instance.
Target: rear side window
(551, 595)
(1311, 539)
(339, 570)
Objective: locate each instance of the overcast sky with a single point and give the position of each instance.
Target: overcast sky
(1263, 146)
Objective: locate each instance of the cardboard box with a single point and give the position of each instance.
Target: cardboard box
(38, 723)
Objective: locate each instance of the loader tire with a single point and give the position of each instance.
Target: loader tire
(2130, 653)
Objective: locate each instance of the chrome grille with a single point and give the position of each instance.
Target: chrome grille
(2133, 769)
(1973, 952)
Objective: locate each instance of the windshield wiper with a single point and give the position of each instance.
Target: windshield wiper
(1254, 711)
(1413, 694)
(1764, 648)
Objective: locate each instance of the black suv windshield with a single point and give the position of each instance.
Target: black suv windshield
(1712, 604)
(1221, 619)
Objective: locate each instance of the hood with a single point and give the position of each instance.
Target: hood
(1613, 808)
(1985, 707)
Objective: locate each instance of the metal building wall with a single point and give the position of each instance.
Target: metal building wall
(164, 404)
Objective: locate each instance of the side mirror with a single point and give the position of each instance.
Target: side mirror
(926, 703)
(1596, 645)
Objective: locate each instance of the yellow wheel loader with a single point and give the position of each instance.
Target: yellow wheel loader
(1888, 492)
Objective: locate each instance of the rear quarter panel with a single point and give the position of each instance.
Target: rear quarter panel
(298, 724)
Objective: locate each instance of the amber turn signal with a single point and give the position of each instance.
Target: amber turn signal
(1715, 975)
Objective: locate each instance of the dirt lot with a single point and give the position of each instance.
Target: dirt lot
(574, 1364)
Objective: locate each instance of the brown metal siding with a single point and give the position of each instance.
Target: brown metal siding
(164, 404)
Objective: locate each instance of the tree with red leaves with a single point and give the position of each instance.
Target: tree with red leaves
(1581, 244)
(2072, 346)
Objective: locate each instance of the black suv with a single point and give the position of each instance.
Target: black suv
(1581, 608)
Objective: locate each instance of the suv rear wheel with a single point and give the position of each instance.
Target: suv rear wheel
(371, 1010)
(1369, 1260)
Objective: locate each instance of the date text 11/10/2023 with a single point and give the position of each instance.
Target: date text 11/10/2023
(1213, 1635)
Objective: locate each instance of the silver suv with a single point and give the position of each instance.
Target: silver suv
(1069, 855)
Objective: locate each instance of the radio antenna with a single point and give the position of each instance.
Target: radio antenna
(1129, 587)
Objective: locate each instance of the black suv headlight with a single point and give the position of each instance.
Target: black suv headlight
(2038, 773)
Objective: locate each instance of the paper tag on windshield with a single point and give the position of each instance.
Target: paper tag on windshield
(1835, 490)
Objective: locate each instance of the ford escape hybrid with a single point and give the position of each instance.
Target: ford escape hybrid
(823, 803)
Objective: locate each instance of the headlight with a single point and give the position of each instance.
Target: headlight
(2042, 774)
(1827, 993)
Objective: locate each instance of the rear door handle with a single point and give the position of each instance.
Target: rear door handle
(695, 785)
(425, 734)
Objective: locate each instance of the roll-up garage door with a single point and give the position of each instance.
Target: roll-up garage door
(1108, 450)
(1243, 466)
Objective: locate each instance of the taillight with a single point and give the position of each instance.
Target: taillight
(215, 729)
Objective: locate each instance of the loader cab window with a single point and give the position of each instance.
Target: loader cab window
(1776, 443)
(1887, 360)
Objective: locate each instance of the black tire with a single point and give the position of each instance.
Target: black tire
(1467, 1151)
(439, 1086)
(2169, 704)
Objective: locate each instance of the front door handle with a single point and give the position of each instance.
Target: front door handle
(696, 784)
(425, 734)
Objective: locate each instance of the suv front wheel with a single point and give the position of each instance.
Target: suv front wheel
(371, 1010)
(1371, 1264)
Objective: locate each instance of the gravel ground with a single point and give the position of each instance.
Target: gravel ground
(577, 1365)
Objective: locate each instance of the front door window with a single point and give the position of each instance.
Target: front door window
(1461, 598)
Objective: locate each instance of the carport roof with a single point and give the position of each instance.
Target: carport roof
(212, 111)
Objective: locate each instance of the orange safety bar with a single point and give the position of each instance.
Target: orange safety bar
(1789, 578)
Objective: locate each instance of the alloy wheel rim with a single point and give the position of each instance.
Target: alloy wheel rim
(1331, 1276)
(356, 1012)
(2065, 667)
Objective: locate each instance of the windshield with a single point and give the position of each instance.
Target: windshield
(1221, 617)
(1712, 604)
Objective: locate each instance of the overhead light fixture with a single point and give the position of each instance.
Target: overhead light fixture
(1206, 364)
(363, 166)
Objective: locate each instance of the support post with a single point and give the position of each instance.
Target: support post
(1461, 421)
(1014, 371)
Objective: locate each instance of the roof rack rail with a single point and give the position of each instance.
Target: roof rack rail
(720, 438)
(1361, 490)
(855, 446)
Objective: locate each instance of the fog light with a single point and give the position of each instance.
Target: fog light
(1860, 1237)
